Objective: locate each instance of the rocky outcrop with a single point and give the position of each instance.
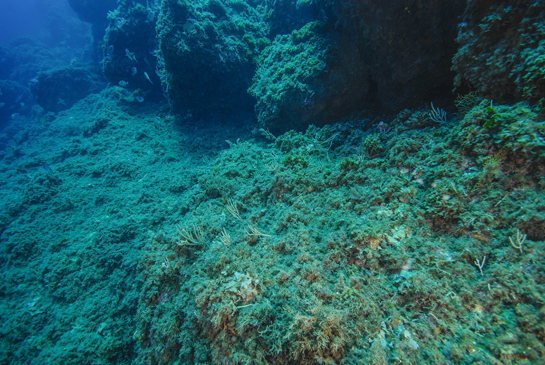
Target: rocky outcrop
(59, 89)
(209, 50)
(501, 49)
(365, 56)
(131, 49)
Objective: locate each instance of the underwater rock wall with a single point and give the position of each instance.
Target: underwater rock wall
(209, 49)
(372, 56)
(308, 78)
(501, 49)
(94, 12)
(348, 57)
(131, 49)
(408, 46)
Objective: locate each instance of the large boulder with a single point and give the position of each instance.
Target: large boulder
(360, 56)
(208, 49)
(302, 80)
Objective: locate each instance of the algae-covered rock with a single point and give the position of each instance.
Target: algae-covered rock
(130, 47)
(303, 79)
(516, 130)
(378, 56)
(209, 48)
(501, 49)
(312, 254)
(59, 89)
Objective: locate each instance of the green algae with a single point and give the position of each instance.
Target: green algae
(311, 247)
(286, 71)
(375, 263)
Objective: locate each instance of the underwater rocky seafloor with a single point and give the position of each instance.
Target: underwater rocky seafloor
(130, 236)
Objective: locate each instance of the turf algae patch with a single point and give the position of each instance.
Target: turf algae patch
(72, 233)
(392, 257)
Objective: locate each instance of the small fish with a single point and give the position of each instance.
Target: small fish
(47, 169)
(189, 25)
(157, 122)
(130, 55)
(19, 97)
(140, 99)
(119, 22)
(110, 52)
(147, 77)
(2, 105)
(12, 143)
(123, 83)
(133, 71)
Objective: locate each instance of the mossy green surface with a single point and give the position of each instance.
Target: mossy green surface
(286, 70)
(207, 52)
(493, 61)
(356, 259)
(150, 242)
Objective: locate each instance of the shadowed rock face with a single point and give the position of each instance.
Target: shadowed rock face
(372, 56)
(501, 44)
(94, 12)
(130, 47)
(408, 46)
(59, 89)
(308, 77)
(377, 56)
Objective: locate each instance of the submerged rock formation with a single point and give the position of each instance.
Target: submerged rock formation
(209, 50)
(131, 49)
(59, 89)
(374, 56)
(502, 48)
